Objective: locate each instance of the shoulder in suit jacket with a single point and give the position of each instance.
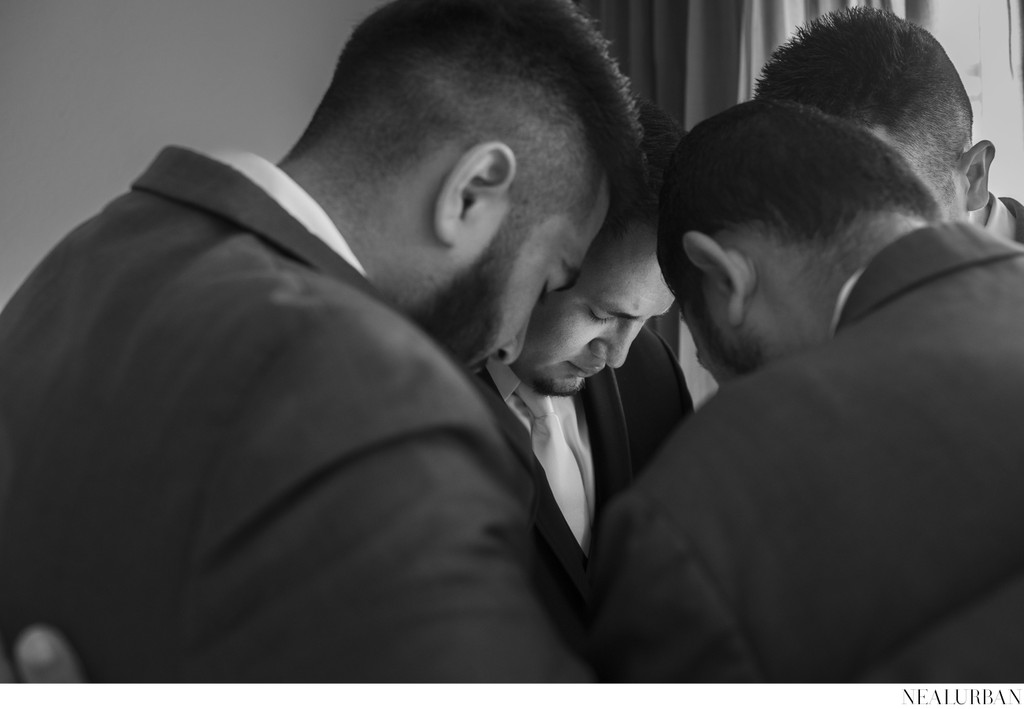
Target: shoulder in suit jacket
(849, 513)
(629, 412)
(231, 461)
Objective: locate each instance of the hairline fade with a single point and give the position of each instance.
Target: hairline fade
(760, 163)
(533, 73)
(876, 69)
(661, 134)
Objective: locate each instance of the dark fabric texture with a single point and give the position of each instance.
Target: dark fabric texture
(630, 411)
(850, 513)
(229, 461)
(654, 397)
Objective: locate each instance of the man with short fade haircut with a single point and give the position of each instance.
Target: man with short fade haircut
(894, 78)
(234, 455)
(846, 508)
(403, 89)
(587, 416)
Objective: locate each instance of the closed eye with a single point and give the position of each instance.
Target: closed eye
(625, 317)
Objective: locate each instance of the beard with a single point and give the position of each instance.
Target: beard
(465, 315)
(725, 360)
(559, 387)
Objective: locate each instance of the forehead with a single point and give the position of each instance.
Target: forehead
(622, 273)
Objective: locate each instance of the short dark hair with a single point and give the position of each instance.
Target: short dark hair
(661, 135)
(872, 67)
(804, 176)
(533, 73)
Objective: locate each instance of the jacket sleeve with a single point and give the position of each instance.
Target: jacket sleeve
(366, 525)
(658, 615)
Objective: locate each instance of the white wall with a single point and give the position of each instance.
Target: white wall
(90, 90)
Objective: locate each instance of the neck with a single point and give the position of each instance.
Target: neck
(864, 239)
(383, 232)
(341, 198)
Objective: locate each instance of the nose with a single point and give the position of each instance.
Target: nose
(617, 351)
(614, 348)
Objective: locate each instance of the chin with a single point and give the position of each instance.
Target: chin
(563, 386)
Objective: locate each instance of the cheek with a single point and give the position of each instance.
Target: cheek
(556, 336)
(534, 260)
(514, 314)
(518, 297)
(520, 294)
(628, 337)
(704, 338)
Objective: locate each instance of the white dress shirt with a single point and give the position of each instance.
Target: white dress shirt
(995, 217)
(570, 412)
(844, 295)
(293, 199)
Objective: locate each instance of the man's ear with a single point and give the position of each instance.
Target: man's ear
(474, 197)
(727, 271)
(975, 164)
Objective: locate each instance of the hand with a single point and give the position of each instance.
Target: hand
(42, 655)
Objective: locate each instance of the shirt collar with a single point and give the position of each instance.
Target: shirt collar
(503, 377)
(293, 199)
(995, 217)
(844, 295)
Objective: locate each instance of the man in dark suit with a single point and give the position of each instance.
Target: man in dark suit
(613, 410)
(894, 78)
(230, 456)
(627, 408)
(847, 506)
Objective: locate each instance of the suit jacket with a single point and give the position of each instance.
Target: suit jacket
(230, 460)
(1017, 210)
(629, 412)
(848, 513)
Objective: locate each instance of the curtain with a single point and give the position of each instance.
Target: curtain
(695, 58)
(683, 55)
(1015, 11)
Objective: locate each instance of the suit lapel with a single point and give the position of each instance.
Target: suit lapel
(547, 517)
(920, 257)
(515, 433)
(609, 438)
(202, 182)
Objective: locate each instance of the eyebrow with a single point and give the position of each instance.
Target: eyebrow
(635, 318)
(623, 316)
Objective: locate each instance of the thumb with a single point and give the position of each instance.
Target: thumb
(44, 655)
